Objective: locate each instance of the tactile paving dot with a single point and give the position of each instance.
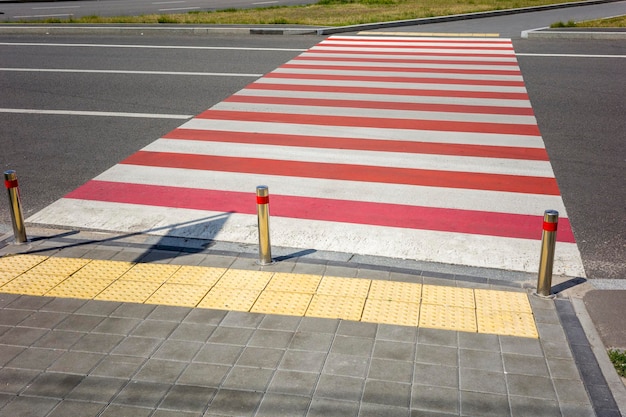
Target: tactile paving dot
(336, 307)
(129, 291)
(395, 291)
(79, 288)
(244, 279)
(391, 312)
(300, 283)
(447, 318)
(197, 275)
(507, 323)
(502, 301)
(346, 287)
(178, 295)
(279, 302)
(99, 269)
(237, 299)
(59, 266)
(150, 272)
(448, 296)
(20, 263)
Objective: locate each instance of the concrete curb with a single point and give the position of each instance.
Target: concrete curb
(613, 380)
(273, 29)
(543, 33)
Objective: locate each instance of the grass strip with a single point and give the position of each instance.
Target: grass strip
(322, 13)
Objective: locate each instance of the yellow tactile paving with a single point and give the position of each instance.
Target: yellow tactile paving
(344, 287)
(448, 318)
(509, 323)
(129, 291)
(197, 275)
(336, 307)
(502, 301)
(280, 302)
(448, 296)
(395, 291)
(357, 299)
(254, 280)
(178, 295)
(79, 287)
(20, 263)
(150, 272)
(223, 298)
(300, 283)
(98, 269)
(391, 312)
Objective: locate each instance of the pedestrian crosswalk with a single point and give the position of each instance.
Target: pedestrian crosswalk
(418, 148)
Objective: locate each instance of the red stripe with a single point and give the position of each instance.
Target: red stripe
(390, 91)
(550, 227)
(371, 122)
(406, 61)
(10, 183)
(262, 200)
(402, 69)
(364, 173)
(383, 105)
(378, 214)
(414, 54)
(408, 80)
(482, 151)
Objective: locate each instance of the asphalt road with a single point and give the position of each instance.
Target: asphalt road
(17, 11)
(578, 101)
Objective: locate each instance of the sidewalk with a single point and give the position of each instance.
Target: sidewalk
(86, 357)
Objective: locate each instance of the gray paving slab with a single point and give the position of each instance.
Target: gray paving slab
(96, 358)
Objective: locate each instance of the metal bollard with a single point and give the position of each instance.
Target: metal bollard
(19, 230)
(263, 212)
(548, 243)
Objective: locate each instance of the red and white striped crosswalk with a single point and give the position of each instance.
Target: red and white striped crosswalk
(418, 148)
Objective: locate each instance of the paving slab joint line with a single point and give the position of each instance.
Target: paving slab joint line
(615, 384)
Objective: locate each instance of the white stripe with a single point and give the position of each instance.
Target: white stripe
(97, 113)
(443, 42)
(374, 49)
(492, 102)
(416, 57)
(417, 43)
(469, 138)
(449, 198)
(392, 85)
(393, 74)
(95, 45)
(68, 70)
(392, 64)
(374, 113)
(423, 245)
(354, 157)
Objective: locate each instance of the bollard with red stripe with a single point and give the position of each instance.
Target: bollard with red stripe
(10, 182)
(548, 243)
(263, 212)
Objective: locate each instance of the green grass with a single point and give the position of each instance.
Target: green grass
(323, 13)
(618, 358)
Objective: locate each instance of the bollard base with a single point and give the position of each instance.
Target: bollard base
(263, 263)
(544, 297)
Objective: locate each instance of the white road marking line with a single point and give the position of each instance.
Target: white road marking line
(95, 45)
(97, 113)
(75, 70)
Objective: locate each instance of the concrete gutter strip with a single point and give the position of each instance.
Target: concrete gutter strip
(617, 387)
(566, 34)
